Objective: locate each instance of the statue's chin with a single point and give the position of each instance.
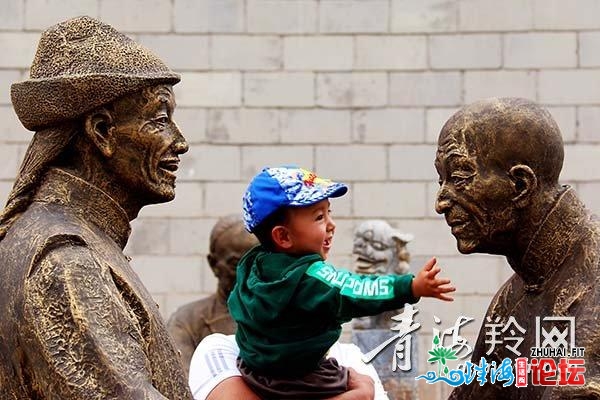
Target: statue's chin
(466, 246)
(161, 194)
(480, 246)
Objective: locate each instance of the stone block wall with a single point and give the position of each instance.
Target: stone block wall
(356, 89)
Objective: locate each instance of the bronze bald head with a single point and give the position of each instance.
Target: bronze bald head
(495, 157)
(229, 240)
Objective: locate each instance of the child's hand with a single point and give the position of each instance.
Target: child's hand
(425, 284)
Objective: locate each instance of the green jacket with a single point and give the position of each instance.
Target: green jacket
(289, 310)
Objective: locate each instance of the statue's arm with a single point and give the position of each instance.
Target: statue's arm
(475, 390)
(89, 345)
(584, 380)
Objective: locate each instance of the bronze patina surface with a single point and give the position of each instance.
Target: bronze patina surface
(499, 161)
(192, 322)
(77, 323)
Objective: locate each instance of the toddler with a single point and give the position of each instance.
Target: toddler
(289, 303)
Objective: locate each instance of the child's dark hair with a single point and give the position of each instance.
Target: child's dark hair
(263, 230)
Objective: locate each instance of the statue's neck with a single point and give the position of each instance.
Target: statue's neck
(90, 167)
(222, 295)
(540, 246)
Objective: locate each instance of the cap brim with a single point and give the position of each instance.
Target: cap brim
(339, 189)
(335, 189)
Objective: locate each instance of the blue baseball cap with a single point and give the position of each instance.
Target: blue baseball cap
(285, 186)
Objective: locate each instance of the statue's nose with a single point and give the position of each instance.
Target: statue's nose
(442, 201)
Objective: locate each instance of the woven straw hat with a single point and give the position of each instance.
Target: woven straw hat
(81, 64)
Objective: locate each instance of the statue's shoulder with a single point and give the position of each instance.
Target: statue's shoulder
(594, 226)
(40, 226)
(41, 229)
(49, 219)
(504, 297)
(195, 309)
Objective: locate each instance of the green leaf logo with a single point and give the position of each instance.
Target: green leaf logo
(441, 355)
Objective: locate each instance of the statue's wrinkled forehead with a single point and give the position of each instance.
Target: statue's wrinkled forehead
(452, 142)
(477, 127)
(146, 102)
(164, 92)
(164, 95)
(456, 139)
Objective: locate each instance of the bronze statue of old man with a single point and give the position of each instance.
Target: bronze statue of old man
(499, 162)
(77, 323)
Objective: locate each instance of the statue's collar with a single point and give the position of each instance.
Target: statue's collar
(552, 242)
(87, 201)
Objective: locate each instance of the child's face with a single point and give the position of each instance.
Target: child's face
(311, 229)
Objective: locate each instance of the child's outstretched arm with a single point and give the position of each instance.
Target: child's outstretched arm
(425, 283)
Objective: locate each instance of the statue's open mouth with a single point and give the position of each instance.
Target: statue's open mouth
(364, 263)
(170, 165)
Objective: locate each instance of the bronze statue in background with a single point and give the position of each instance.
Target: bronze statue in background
(499, 161)
(77, 323)
(192, 322)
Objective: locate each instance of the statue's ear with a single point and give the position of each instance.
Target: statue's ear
(400, 238)
(524, 182)
(99, 129)
(212, 262)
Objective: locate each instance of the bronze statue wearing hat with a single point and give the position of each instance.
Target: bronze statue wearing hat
(77, 323)
(498, 162)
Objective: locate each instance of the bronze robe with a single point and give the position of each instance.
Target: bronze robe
(77, 323)
(194, 321)
(566, 250)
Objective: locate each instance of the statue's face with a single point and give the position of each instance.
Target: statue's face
(148, 144)
(375, 248)
(228, 248)
(474, 195)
